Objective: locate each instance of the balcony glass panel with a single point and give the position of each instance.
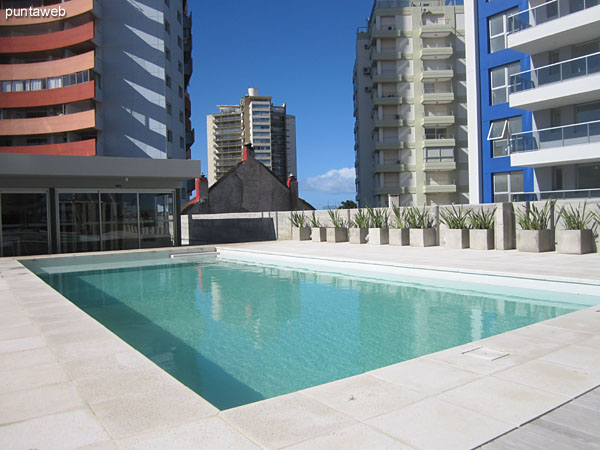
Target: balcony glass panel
(583, 133)
(546, 12)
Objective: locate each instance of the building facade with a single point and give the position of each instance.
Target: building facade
(410, 104)
(269, 128)
(94, 127)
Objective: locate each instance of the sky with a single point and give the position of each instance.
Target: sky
(302, 54)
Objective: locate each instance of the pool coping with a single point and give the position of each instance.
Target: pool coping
(79, 372)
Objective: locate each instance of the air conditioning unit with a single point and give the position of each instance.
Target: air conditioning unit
(397, 116)
(390, 28)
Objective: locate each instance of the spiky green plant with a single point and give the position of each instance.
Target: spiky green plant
(482, 219)
(361, 219)
(298, 219)
(535, 218)
(400, 216)
(378, 217)
(419, 218)
(336, 219)
(314, 222)
(455, 219)
(575, 218)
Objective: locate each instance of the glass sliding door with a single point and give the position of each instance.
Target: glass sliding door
(157, 220)
(79, 219)
(24, 221)
(119, 221)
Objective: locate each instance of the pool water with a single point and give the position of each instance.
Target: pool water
(237, 333)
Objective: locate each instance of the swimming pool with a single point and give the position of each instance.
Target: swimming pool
(241, 331)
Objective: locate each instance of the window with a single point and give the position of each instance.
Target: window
(180, 66)
(588, 112)
(169, 136)
(169, 109)
(181, 116)
(167, 26)
(168, 81)
(588, 176)
(167, 53)
(507, 183)
(498, 26)
(435, 133)
(179, 16)
(181, 142)
(439, 154)
(500, 81)
(179, 42)
(500, 134)
(180, 91)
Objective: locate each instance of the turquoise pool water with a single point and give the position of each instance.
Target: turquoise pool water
(236, 333)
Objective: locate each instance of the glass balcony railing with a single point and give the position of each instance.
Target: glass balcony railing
(557, 195)
(546, 12)
(564, 136)
(572, 68)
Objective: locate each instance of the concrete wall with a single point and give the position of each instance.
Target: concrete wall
(276, 225)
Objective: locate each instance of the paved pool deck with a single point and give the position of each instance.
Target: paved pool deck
(68, 382)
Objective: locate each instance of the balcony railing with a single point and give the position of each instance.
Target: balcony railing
(436, 21)
(546, 12)
(558, 195)
(564, 136)
(572, 68)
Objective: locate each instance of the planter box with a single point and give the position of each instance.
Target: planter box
(379, 236)
(481, 239)
(319, 234)
(422, 237)
(339, 234)
(301, 233)
(399, 236)
(535, 241)
(577, 242)
(358, 235)
(457, 238)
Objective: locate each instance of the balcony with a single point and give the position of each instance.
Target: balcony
(45, 97)
(45, 69)
(388, 32)
(535, 89)
(391, 145)
(72, 8)
(387, 78)
(439, 166)
(437, 98)
(554, 24)
(439, 120)
(440, 73)
(557, 195)
(435, 28)
(46, 125)
(387, 56)
(79, 148)
(388, 99)
(391, 168)
(439, 188)
(441, 51)
(439, 141)
(387, 123)
(568, 144)
(49, 41)
(391, 190)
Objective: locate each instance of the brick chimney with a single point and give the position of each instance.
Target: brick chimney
(292, 184)
(248, 151)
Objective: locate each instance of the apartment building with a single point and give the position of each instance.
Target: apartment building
(95, 135)
(268, 127)
(410, 104)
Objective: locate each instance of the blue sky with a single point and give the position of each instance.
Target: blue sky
(299, 52)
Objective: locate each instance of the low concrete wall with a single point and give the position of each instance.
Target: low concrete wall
(246, 227)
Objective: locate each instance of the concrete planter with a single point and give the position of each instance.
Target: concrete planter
(358, 235)
(300, 233)
(457, 238)
(422, 237)
(319, 234)
(379, 236)
(536, 241)
(399, 236)
(339, 234)
(481, 239)
(577, 242)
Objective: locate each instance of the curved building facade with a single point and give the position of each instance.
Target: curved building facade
(102, 79)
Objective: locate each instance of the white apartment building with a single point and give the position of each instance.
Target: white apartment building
(268, 127)
(562, 90)
(410, 104)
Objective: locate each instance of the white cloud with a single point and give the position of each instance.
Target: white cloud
(332, 182)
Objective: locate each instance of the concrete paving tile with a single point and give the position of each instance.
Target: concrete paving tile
(97, 348)
(436, 424)
(576, 417)
(355, 436)
(14, 320)
(563, 436)
(503, 400)
(26, 358)
(17, 345)
(363, 396)
(31, 377)
(89, 334)
(18, 332)
(109, 365)
(519, 344)
(551, 377)
(455, 357)
(38, 402)
(427, 376)
(285, 420)
(544, 332)
(57, 317)
(106, 445)
(578, 356)
(156, 411)
(207, 433)
(69, 430)
(586, 321)
(68, 325)
(594, 342)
